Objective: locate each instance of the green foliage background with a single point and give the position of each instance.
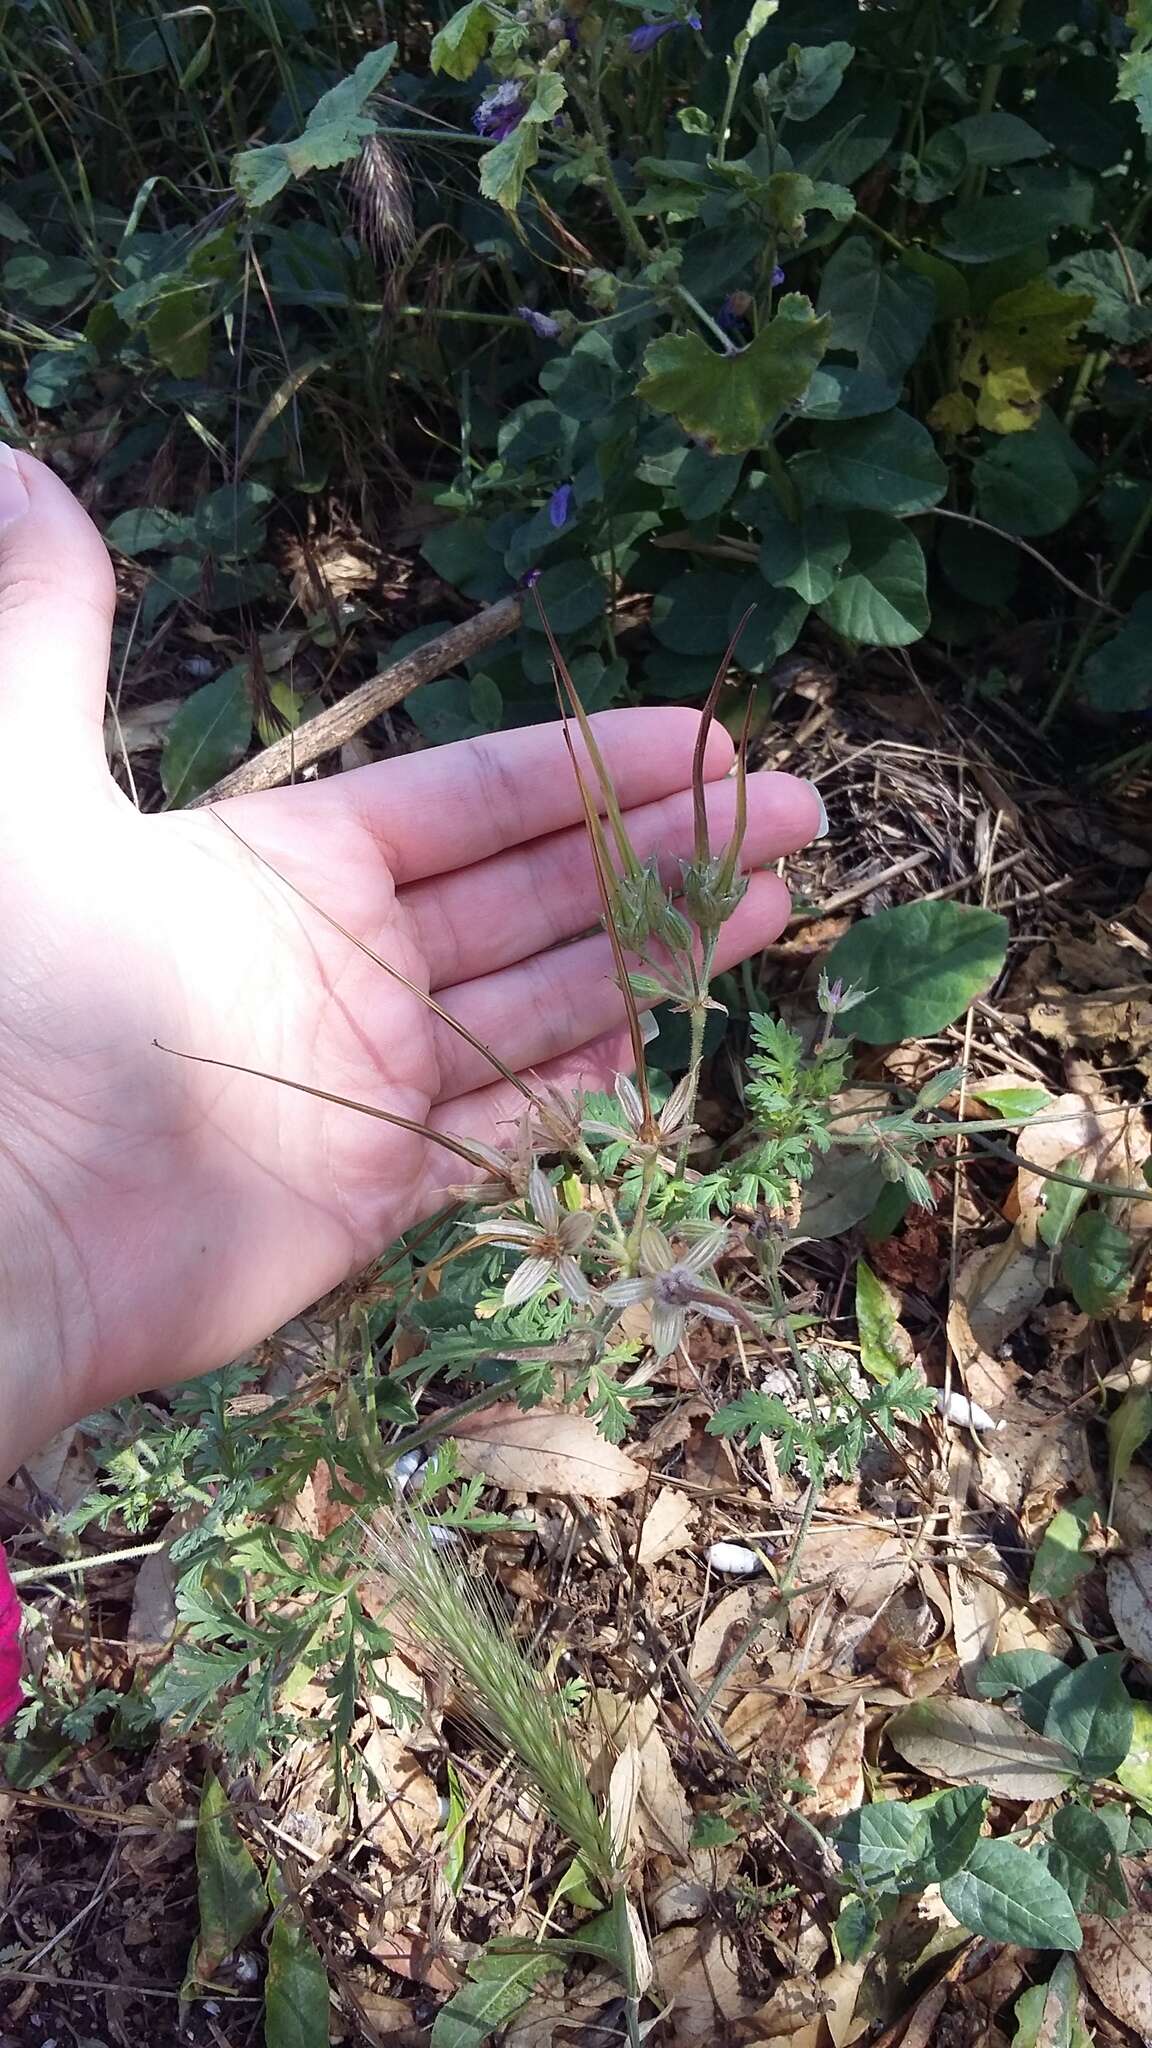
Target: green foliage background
(834, 310)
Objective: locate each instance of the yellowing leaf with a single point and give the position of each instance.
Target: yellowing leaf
(953, 414)
(1022, 348)
(885, 1347)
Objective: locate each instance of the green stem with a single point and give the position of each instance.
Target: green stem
(786, 490)
(1091, 631)
(698, 1021)
(590, 108)
(34, 1572)
(705, 318)
(1006, 24)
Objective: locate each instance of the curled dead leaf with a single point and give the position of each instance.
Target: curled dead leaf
(1116, 1961)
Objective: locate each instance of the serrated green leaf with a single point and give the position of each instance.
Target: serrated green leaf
(880, 598)
(885, 1347)
(972, 1742)
(1090, 1712)
(208, 735)
(504, 168)
(884, 464)
(1128, 1427)
(1097, 1263)
(1059, 1561)
(230, 1891)
(462, 43)
(1006, 1894)
(923, 962)
(731, 401)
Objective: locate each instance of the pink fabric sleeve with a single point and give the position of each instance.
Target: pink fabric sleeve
(11, 1696)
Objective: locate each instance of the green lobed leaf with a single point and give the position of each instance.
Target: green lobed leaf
(208, 735)
(1090, 1712)
(810, 77)
(1006, 1893)
(1097, 1263)
(923, 963)
(462, 43)
(884, 464)
(504, 168)
(1109, 276)
(230, 1892)
(1059, 1561)
(880, 598)
(731, 401)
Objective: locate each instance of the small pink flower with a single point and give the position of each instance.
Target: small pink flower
(11, 1696)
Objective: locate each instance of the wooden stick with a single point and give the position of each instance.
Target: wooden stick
(340, 722)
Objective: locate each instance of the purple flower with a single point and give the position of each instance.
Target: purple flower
(777, 276)
(642, 39)
(571, 31)
(530, 581)
(560, 506)
(542, 324)
(500, 110)
(734, 312)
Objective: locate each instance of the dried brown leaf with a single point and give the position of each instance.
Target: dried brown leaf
(1130, 1599)
(697, 1971)
(1116, 1962)
(667, 1527)
(832, 1760)
(542, 1450)
(973, 1742)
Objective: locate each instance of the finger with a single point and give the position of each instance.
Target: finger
(558, 1000)
(521, 902)
(491, 1114)
(433, 812)
(57, 597)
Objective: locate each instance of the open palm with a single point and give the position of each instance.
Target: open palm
(162, 1215)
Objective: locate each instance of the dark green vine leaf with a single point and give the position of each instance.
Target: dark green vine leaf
(880, 598)
(923, 965)
(1090, 1712)
(209, 734)
(1096, 1261)
(1007, 1894)
(731, 401)
(884, 464)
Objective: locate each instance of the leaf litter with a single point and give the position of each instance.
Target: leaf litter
(719, 1719)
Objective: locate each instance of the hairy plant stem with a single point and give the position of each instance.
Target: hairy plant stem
(698, 1020)
(705, 318)
(589, 105)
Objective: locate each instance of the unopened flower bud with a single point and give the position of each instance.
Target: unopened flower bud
(711, 892)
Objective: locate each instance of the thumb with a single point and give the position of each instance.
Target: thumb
(57, 597)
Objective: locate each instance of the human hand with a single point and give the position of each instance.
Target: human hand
(160, 1216)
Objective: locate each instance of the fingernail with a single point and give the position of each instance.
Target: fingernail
(822, 829)
(13, 490)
